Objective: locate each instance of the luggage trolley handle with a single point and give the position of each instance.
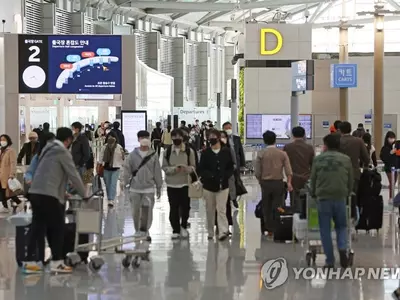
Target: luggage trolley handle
(98, 193)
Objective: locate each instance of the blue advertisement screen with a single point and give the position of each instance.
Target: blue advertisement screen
(80, 64)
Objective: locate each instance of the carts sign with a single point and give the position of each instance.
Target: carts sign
(263, 41)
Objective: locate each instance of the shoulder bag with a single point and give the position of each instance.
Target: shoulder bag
(195, 187)
(142, 163)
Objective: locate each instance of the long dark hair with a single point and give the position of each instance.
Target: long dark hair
(367, 138)
(227, 144)
(389, 134)
(8, 139)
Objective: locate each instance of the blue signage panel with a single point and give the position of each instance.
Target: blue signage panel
(81, 64)
(343, 75)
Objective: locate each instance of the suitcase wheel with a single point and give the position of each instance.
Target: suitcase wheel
(136, 262)
(126, 262)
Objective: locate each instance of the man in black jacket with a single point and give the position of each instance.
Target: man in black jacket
(237, 145)
(120, 135)
(43, 134)
(156, 138)
(29, 149)
(80, 148)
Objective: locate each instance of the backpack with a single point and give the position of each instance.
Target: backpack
(187, 150)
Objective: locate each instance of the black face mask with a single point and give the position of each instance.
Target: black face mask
(213, 141)
(177, 142)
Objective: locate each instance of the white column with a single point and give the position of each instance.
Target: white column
(12, 12)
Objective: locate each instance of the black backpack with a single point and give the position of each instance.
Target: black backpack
(187, 150)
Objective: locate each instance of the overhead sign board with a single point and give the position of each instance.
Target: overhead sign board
(264, 48)
(302, 75)
(68, 64)
(343, 75)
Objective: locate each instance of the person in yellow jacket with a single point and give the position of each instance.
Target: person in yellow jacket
(166, 139)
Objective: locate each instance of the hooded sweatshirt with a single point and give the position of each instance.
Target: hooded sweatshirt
(148, 177)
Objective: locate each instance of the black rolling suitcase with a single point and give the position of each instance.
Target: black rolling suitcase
(69, 241)
(284, 225)
(371, 214)
(22, 237)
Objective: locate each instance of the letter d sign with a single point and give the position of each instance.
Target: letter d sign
(263, 44)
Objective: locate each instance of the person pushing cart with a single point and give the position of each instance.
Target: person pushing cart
(331, 184)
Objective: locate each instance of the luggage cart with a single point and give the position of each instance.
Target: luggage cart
(88, 216)
(312, 235)
(250, 154)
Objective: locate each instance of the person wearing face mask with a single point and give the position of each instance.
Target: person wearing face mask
(178, 162)
(47, 196)
(112, 159)
(367, 138)
(235, 141)
(389, 158)
(142, 173)
(29, 149)
(8, 168)
(80, 148)
(215, 169)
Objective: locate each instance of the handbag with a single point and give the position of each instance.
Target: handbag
(240, 188)
(100, 170)
(14, 185)
(195, 188)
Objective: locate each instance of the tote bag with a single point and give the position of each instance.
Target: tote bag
(195, 188)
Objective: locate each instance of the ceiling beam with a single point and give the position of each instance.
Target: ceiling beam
(318, 15)
(354, 22)
(394, 4)
(178, 15)
(316, 12)
(210, 16)
(198, 6)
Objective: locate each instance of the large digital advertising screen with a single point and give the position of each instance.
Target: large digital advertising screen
(70, 64)
(132, 121)
(257, 124)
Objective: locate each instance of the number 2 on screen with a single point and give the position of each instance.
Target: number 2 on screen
(35, 53)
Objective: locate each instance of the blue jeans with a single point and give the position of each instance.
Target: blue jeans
(336, 210)
(111, 180)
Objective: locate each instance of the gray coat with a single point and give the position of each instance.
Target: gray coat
(55, 168)
(149, 176)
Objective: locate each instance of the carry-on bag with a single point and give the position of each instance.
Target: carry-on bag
(284, 224)
(69, 241)
(371, 214)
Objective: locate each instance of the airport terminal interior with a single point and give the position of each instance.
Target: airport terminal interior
(253, 66)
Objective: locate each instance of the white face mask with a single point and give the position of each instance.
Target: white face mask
(216, 151)
(3, 144)
(223, 140)
(391, 140)
(145, 142)
(229, 131)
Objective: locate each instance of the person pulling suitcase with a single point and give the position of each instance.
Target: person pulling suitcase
(142, 174)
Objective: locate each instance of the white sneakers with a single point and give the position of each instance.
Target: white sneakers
(57, 267)
(184, 234)
(4, 210)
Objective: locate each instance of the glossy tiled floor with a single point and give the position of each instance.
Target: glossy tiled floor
(197, 268)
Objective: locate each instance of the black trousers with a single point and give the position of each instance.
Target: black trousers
(272, 198)
(228, 213)
(4, 198)
(179, 207)
(48, 219)
(157, 146)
